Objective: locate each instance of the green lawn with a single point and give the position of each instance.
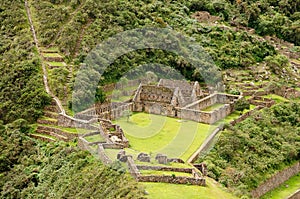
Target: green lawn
(56, 64)
(285, 190)
(112, 153)
(158, 134)
(175, 191)
(276, 98)
(236, 114)
(51, 55)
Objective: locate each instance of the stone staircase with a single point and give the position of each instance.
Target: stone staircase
(48, 128)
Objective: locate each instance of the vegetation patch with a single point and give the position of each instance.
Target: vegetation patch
(264, 143)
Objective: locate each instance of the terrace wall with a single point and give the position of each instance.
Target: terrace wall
(172, 179)
(276, 180)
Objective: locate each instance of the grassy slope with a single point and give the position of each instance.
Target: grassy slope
(154, 133)
(175, 191)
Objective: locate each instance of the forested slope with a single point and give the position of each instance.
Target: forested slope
(33, 169)
(92, 22)
(250, 152)
(22, 93)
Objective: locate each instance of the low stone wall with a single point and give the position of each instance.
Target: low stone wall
(54, 59)
(113, 146)
(134, 171)
(206, 117)
(164, 168)
(83, 144)
(172, 179)
(67, 121)
(276, 180)
(49, 122)
(245, 116)
(205, 144)
(45, 139)
(101, 153)
(70, 136)
(295, 195)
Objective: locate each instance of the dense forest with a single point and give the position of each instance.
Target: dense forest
(262, 144)
(22, 93)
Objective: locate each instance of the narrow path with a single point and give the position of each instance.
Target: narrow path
(78, 43)
(63, 25)
(45, 74)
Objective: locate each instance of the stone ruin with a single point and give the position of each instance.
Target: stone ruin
(143, 157)
(161, 159)
(173, 98)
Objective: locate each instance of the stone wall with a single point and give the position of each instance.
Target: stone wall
(245, 116)
(164, 168)
(295, 195)
(101, 153)
(172, 179)
(83, 144)
(206, 117)
(53, 131)
(134, 171)
(276, 180)
(261, 101)
(45, 139)
(67, 121)
(205, 145)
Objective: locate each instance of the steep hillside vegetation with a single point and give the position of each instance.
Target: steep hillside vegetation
(32, 169)
(22, 93)
(93, 21)
(250, 152)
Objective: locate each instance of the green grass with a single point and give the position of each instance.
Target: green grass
(48, 119)
(112, 153)
(167, 173)
(52, 49)
(158, 134)
(236, 114)
(213, 107)
(56, 64)
(45, 136)
(95, 138)
(51, 55)
(276, 98)
(284, 190)
(175, 191)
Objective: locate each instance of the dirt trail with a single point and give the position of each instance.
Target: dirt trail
(45, 74)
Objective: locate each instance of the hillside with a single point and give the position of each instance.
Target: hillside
(253, 44)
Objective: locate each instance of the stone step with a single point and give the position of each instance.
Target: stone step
(51, 114)
(42, 137)
(57, 130)
(51, 133)
(51, 108)
(45, 120)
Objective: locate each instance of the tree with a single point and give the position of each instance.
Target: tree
(241, 105)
